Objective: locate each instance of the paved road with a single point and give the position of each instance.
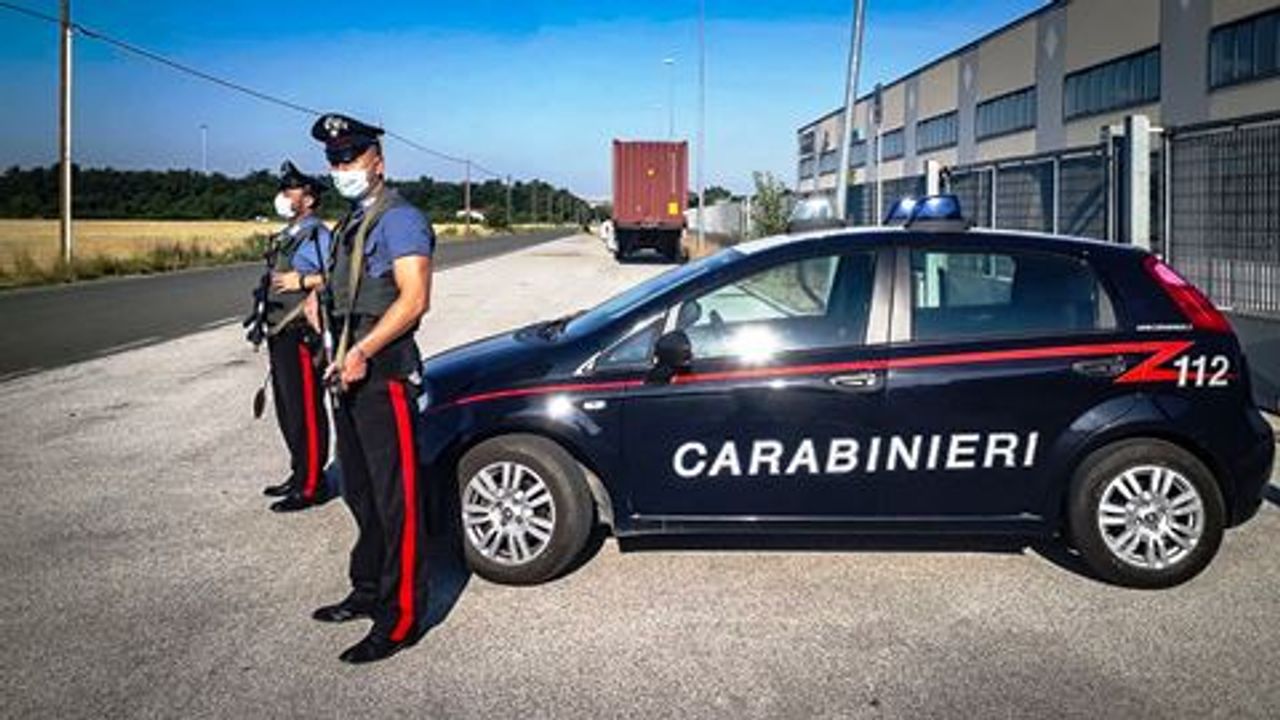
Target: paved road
(141, 575)
(55, 326)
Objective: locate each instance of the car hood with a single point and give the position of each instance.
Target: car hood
(496, 362)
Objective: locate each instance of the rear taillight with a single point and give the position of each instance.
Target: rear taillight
(1195, 307)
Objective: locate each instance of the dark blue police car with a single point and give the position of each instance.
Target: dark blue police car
(920, 378)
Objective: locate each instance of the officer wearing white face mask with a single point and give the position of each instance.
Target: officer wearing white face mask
(300, 251)
(380, 283)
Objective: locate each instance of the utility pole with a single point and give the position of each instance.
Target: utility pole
(204, 148)
(533, 202)
(850, 99)
(702, 119)
(877, 116)
(466, 197)
(510, 218)
(671, 97)
(64, 137)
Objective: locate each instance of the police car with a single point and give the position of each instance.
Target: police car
(926, 377)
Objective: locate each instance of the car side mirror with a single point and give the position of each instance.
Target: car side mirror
(672, 353)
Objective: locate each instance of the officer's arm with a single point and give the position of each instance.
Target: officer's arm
(413, 278)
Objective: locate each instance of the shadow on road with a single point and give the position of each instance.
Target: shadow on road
(646, 257)
(447, 571)
(1272, 494)
(827, 543)
(1054, 550)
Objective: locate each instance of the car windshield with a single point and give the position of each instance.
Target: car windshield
(623, 303)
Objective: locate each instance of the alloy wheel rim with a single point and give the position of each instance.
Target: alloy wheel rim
(508, 513)
(1151, 517)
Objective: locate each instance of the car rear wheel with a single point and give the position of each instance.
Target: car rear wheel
(526, 510)
(1145, 513)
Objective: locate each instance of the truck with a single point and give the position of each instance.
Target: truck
(650, 195)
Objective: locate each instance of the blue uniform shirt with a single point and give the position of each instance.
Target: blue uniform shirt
(308, 259)
(402, 231)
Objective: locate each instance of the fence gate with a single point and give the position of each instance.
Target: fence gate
(1224, 212)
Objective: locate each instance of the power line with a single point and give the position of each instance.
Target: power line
(228, 84)
(127, 47)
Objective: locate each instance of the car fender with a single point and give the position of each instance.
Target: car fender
(566, 430)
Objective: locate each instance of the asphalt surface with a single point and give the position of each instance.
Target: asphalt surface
(51, 327)
(141, 575)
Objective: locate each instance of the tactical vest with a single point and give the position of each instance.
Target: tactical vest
(375, 294)
(281, 304)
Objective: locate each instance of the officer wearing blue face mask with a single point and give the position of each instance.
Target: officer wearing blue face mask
(380, 283)
(300, 251)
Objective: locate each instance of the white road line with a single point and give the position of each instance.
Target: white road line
(127, 346)
(218, 323)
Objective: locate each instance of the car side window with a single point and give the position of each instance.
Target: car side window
(797, 305)
(964, 295)
(633, 350)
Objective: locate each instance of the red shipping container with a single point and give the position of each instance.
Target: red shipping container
(650, 184)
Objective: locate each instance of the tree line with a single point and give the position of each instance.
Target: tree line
(105, 193)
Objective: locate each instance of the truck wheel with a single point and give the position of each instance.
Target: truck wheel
(526, 509)
(1145, 513)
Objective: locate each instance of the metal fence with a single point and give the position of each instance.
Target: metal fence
(861, 203)
(1214, 203)
(1064, 192)
(1224, 228)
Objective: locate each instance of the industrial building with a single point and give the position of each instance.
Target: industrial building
(1155, 122)
(1050, 80)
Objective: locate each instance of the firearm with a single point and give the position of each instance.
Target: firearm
(256, 321)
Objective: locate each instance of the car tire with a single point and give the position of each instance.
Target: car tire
(525, 507)
(1145, 513)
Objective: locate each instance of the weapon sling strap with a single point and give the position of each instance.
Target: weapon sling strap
(357, 270)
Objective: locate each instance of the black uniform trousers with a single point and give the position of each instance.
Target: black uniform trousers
(298, 394)
(377, 420)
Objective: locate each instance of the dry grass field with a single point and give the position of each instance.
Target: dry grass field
(29, 248)
(120, 239)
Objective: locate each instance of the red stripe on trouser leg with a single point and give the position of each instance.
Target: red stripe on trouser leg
(408, 533)
(309, 410)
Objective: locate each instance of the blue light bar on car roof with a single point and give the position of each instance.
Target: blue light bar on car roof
(934, 209)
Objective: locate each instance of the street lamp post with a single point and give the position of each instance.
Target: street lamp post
(850, 99)
(702, 119)
(671, 97)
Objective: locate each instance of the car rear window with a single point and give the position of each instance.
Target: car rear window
(958, 295)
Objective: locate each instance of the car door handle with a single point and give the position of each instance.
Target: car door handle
(866, 381)
(1107, 367)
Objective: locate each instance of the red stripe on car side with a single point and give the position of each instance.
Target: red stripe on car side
(1147, 371)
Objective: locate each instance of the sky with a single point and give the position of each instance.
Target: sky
(530, 89)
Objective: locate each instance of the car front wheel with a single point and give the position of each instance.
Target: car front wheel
(1145, 513)
(526, 510)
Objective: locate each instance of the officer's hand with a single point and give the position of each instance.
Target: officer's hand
(311, 309)
(285, 281)
(354, 367)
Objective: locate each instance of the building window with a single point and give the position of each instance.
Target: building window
(806, 143)
(828, 162)
(806, 168)
(1120, 83)
(1245, 50)
(892, 145)
(937, 132)
(858, 154)
(1008, 113)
